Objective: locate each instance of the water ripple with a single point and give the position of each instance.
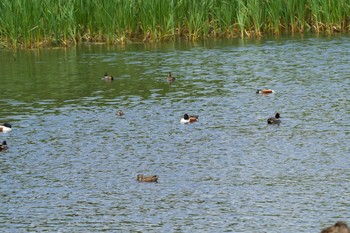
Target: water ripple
(72, 163)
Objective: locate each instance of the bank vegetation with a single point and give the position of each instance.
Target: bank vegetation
(38, 23)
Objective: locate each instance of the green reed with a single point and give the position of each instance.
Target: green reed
(223, 19)
(37, 23)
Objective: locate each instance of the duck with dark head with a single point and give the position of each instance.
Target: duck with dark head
(264, 91)
(3, 146)
(274, 120)
(5, 128)
(108, 77)
(189, 118)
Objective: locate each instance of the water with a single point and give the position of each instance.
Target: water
(72, 163)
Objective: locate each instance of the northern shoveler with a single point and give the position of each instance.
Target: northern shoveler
(189, 119)
(5, 128)
(264, 91)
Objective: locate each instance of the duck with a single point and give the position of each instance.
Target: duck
(108, 77)
(120, 113)
(264, 91)
(142, 178)
(170, 78)
(189, 119)
(338, 227)
(5, 128)
(274, 120)
(3, 146)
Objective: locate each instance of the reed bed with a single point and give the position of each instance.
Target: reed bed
(38, 23)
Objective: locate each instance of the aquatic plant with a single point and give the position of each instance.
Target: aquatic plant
(63, 23)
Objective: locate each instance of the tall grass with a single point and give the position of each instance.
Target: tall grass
(37, 23)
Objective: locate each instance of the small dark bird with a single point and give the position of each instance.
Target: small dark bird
(274, 120)
(171, 79)
(3, 146)
(108, 77)
(120, 113)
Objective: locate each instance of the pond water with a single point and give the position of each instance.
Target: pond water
(72, 163)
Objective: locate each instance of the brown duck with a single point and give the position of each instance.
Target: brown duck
(141, 178)
(170, 78)
(339, 227)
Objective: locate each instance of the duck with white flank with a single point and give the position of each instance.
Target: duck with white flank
(189, 119)
(5, 128)
(264, 91)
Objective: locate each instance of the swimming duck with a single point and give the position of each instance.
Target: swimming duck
(120, 113)
(274, 120)
(338, 227)
(189, 119)
(3, 146)
(170, 78)
(5, 128)
(264, 91)
(141, 178)
(108, 77)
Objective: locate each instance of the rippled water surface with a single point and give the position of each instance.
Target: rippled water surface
(72, 163)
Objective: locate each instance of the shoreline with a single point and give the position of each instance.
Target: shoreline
(50, 43)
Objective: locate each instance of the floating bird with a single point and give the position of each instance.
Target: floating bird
(338, 227)
(141, 178)
(274, 120)
(108, 77)
(189, 119)
(120, 113)
(5, 128)
(3, 146)
(171, 79)
(264, 91)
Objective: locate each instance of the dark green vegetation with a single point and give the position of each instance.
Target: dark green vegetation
(38, 23)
